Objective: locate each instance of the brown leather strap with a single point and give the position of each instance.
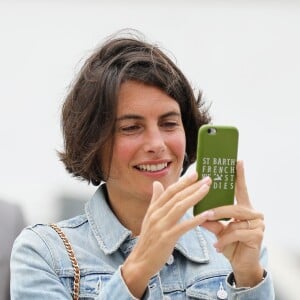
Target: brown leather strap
(72, 258)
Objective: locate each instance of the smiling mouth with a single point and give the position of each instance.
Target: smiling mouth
(152, 167)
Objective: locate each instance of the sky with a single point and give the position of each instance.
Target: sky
(243, 56)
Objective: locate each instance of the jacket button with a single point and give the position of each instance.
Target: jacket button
(170, 260)
(221, 294)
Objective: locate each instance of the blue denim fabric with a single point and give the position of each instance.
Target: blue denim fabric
(41, 268)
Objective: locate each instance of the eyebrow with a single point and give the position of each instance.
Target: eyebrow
(138, 117)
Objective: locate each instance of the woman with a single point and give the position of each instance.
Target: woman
(130, 122)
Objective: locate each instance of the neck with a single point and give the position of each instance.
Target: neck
(129, 210)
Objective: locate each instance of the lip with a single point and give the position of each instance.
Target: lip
(154, 174)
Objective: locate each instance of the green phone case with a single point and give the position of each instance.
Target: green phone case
(216, 157)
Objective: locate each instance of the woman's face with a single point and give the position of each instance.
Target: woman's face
(149, 141)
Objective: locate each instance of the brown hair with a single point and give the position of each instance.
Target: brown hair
(89, 110)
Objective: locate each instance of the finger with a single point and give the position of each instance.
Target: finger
(215, 227)
(180, 191)
(197, 189)
(158, 189)
(237, 212)
(189, 224)
(245, 225)
(180, 185)
(241, 186)
(251, 238)
(176, 209)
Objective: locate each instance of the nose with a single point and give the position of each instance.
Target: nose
(154, 141)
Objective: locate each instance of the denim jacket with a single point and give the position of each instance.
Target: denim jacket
(41, 268)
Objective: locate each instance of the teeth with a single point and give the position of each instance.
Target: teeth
(152, 168)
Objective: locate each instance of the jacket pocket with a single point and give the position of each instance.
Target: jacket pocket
(209, 288)
(90, 284)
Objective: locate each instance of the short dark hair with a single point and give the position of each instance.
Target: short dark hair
(89, 110)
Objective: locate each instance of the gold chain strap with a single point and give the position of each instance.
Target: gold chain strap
(72, 258)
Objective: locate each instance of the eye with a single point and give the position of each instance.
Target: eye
(130, 129)
(169, 125)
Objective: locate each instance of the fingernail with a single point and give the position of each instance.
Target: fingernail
(206, 180)
(218, 249)
(204, 187)
(207, 214)
(193, 175)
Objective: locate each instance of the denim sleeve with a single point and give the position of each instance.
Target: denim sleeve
(33, 274)
(116, 288)
(264, 290)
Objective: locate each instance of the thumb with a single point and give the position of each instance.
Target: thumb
(241, 186)
(157, 189)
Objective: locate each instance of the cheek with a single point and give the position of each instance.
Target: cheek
(178, 144)
(123, 152)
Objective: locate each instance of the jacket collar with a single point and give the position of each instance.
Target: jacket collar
(107, 229)
(111, 234)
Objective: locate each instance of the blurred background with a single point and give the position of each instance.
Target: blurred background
(243, 55)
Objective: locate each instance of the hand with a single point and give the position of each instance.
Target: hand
(240, 239)
(161, 228)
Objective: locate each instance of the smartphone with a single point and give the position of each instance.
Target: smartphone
(217, 151)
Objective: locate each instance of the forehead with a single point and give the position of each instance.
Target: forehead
(136, 97)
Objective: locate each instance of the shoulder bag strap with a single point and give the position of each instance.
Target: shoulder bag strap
(72, 258)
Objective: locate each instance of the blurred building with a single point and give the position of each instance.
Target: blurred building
(11, 224)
